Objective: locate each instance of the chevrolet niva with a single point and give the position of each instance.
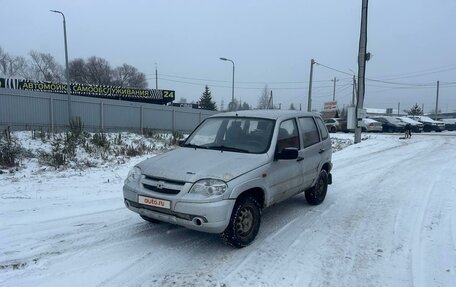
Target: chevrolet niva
(231, 167)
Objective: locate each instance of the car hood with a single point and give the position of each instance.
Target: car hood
(190, 164)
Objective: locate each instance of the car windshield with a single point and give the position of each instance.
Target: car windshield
(237, 134)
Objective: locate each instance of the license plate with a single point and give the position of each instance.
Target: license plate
(154, 202)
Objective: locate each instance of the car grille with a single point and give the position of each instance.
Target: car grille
(160, 185)
(161, 189)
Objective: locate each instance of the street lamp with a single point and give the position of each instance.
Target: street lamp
(67, 72)
(232, 87)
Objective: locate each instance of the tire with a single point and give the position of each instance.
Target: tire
(317, 194)
(151, 220)
(333, 129)
(244, 223)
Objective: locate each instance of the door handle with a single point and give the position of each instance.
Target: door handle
(300, 158)
(322, 150)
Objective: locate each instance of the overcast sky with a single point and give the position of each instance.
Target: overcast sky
(413, 45)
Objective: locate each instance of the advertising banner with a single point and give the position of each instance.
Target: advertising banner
(98, 91)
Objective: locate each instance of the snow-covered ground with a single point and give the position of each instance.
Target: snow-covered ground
(389, 220)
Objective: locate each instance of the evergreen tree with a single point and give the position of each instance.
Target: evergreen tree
(206, 102)
(245, 106)
(415, 110)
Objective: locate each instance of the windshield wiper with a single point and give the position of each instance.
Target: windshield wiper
(227, 148)
(194, 146)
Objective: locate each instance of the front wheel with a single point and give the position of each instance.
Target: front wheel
(317, 194)
(244, 223)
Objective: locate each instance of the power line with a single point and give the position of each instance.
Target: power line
(421, 73)
(346, 73)
(388, 82)
(241, 82)
(242, 88)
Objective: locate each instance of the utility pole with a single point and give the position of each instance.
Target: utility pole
(156, 77)
(437, 101)
(272, 101)
(334, 89)
(398, 108)
(361, 67)
(309, 99)
(422, 108)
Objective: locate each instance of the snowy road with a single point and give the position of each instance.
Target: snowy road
(389, 220)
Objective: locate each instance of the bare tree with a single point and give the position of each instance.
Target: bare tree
(129, 76)
(263, 101)
(11, 66)
(43, 67)
(78, 71)
(99, 71)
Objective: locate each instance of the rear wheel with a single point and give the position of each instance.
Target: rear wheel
(333, 129)
(151, 220)
(244, 223)
(317, 194)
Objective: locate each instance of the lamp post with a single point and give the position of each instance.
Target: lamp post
(231, 105)
(67, 71)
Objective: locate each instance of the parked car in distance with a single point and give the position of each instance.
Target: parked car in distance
(331, 125)
(390, 124)
(429, 124)
(450, 124)
(231, 167)
(417, 127)
(370, 125)
(336, 125)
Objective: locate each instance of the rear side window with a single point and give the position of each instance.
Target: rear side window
(323, 130)
(309, 131)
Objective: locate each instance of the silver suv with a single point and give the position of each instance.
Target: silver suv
(231, 167)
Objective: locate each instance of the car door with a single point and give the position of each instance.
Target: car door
(311, 151)
(285, 176)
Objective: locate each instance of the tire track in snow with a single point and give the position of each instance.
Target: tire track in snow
(358, 231)
(429, 230)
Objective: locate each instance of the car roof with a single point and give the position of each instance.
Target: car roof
(266, 114)
(408, 120)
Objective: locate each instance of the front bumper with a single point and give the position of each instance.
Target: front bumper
(211, 217)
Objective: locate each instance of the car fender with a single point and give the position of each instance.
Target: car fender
(254, 183)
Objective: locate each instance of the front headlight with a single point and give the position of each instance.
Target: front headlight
(209, 187)
(134, 175)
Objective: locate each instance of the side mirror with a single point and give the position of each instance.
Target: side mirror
(287, 153)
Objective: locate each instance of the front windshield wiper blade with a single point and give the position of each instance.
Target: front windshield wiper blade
(194, 146)
(227, 148)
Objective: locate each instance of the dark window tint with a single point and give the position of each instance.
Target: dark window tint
(323, 130)
(309, 131)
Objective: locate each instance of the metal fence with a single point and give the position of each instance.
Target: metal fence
(27, 110)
